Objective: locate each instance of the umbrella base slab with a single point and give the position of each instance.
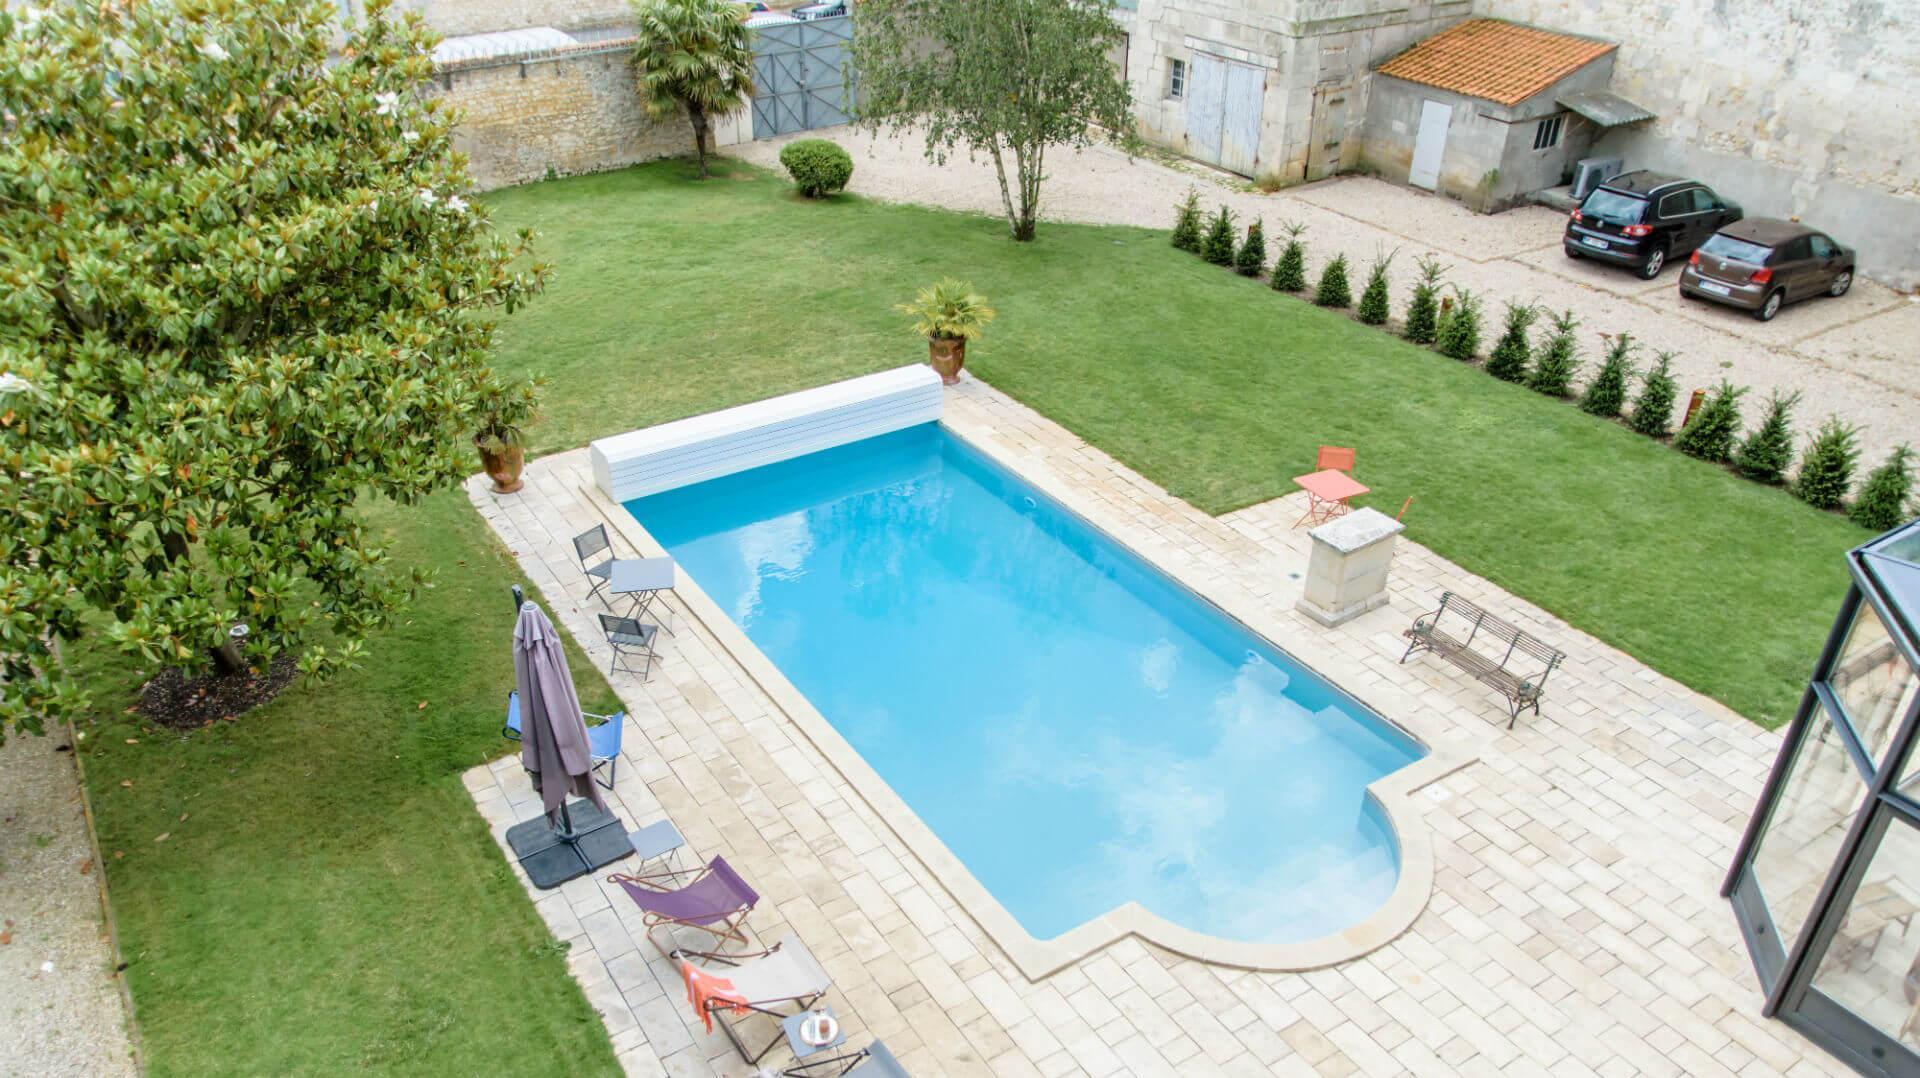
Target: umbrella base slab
(550, 859)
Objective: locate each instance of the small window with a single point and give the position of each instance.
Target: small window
(1678, 204)
(1796, 249)
(1822, 247)
(1177, 79)
(1703, 200)
(1546, 133)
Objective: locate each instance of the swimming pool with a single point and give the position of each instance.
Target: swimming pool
(1079, 730)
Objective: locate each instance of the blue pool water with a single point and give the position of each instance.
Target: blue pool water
(1077, 728)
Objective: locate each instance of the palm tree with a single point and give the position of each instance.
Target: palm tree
(696, 55)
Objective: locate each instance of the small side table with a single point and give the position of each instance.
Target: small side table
(801, 1049)
(657, 840)
(642, 580)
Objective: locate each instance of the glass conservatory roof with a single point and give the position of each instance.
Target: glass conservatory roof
(1893, 561)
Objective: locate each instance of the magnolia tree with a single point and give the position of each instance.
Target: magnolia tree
(1007, 78)
(242, 287)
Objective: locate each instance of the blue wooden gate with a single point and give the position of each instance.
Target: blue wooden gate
(800, 76)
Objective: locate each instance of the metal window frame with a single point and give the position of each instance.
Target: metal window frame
(1176, 79)
(1787, 975)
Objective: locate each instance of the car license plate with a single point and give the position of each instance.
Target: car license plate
(1591, 242)
(1716, 289)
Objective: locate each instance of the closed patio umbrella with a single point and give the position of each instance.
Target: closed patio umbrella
(553, 745)
(575, 837)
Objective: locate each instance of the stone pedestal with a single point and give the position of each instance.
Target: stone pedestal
(1347, 575)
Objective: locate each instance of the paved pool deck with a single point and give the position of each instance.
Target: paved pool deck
(1573, 925)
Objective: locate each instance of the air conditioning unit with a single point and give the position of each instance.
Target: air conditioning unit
(1591, 172)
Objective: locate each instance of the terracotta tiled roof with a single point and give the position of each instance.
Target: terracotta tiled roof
(1500, 61)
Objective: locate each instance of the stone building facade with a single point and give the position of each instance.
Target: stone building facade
(1789, 107)
(1295, 70)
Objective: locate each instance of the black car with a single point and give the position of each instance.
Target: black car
(1644, 219)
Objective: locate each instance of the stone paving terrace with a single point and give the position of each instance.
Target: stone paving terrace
(1574, 925)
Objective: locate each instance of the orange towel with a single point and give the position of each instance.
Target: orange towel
(702, 987)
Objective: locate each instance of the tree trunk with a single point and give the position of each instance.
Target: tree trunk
(1027, 168)
(699, 118)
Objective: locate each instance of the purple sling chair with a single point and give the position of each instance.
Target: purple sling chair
(716, 901)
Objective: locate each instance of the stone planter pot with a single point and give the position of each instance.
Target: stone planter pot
(503, 468)
(947, 356)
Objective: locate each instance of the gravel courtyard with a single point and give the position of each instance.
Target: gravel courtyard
(1852, 356)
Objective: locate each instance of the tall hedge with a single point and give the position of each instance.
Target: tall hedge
(1765, 454)
(1459, 334)
(1715, 427)
(1607, 393)
(1882, 503)
(1826, 468)
(1187, 223)
(1375, 301)
(1217, 248)
(1423, 311)
(1251, 259)
(1290, 272)
(1653, 408)
(1510, 355)
(1334, 290)
(1559, 358)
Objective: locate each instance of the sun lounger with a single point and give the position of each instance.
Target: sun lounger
(714, 900)
(748, 984)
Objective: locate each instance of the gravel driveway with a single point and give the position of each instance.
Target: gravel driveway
(1854, 356)
(60, 1008)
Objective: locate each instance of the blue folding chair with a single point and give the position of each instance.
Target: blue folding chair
(603, 741)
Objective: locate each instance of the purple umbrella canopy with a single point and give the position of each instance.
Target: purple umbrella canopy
(553, 743)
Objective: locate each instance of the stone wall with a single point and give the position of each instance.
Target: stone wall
(563, 112)
(1800, 107)
(456, 17)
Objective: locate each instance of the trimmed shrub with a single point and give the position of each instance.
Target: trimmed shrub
(1882, 503)
(1511, 353)
(1186, 223)
(1459, 334)
(1608, 391)
(1764, 455)
(1653, 408)
(1826, 468)
(1333, 290)
(1423, 312)
(1217, 248)
(1559, 360)
(1251, 259)
(1375, 301)
(1290, 273)
(818, 166)
(1715, 427)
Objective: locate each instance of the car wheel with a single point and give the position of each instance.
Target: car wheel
(1841, 282)
(1655, 262)
(1571, 253)
(1769, 307)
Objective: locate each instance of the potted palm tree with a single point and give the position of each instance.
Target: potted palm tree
(948, 315)
(504, 410)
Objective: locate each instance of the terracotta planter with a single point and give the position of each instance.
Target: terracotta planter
(947, 356)
(504, 468)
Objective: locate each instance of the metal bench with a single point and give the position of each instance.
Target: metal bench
(1502, 642)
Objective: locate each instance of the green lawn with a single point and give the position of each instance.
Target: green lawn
(673, 296)
(327, 900)
(331, 902)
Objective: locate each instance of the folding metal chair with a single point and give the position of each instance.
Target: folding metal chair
(1330, 456)
(874, 1061)
(629, 637)
(586, 545)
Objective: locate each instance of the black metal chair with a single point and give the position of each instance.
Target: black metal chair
(630, 637)
(586, 545)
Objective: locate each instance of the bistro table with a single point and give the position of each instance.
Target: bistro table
(644, 579)
(1327, 493)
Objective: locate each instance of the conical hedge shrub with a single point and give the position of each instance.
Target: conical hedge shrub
(1186, 223)
(1826, 468)
(1459, 333)
(1715, 427)
(1764, 455)
(1511, 353)
(1559, 358)
(1251, 259)
(1290, 272)
(1882, 503)
(1375, 302)
(1653, 408)
(1607, 393)
(1333, 290)
(1217, 248)
(1423, 311)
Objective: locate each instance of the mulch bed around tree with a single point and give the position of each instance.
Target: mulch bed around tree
(171, 699)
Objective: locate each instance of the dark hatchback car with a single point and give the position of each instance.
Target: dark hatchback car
(1761, 263)
(1643, 220)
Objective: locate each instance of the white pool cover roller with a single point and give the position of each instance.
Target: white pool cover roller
(643, 462)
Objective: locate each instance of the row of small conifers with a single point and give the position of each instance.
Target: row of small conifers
(1619, 389)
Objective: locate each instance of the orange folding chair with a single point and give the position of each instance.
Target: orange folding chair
(1333, 456)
